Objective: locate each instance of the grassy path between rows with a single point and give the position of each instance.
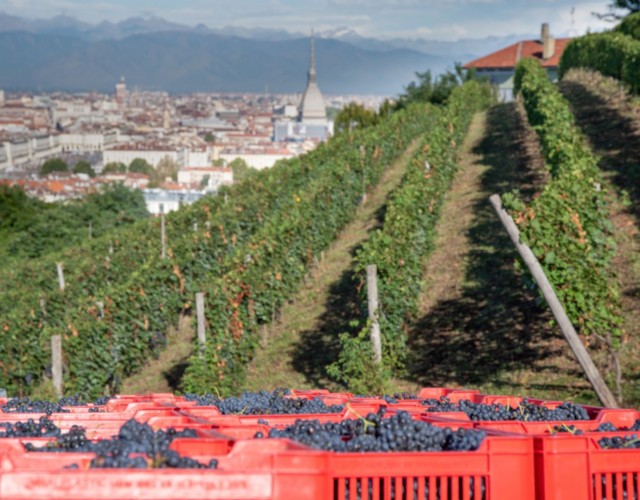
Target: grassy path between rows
(478, 327)
(298, 346)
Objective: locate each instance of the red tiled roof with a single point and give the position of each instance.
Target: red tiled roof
(508, 57)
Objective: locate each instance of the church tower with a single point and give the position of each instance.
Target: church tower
(312, 109)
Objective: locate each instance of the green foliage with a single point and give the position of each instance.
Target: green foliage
(35, 228)
(386, 108)
(17, 210)
(248, 253)
(618, 9)
(354, 115)
(613, 54)
(436, 90)
(399, 249)
(630, 26)
(567, 225)
(355, 366)
(209, 137)
(167, 168)
(240, 169)
(54, 165)
(269, 268)
(83, 167)
(114, 168)
(140, 166)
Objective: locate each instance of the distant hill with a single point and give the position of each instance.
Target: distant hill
(180, 61)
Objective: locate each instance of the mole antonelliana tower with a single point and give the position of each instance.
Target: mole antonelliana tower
(312, 120)
(312, 109)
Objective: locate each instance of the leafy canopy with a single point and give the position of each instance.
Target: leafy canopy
(53, 165)
(618, 9)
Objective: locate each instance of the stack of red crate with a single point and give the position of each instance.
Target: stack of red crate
(517, 460)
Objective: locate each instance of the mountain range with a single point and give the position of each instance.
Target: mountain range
(63, 53)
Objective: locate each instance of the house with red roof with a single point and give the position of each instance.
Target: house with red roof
(499, 66)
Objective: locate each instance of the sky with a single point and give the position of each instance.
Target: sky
(432, 19)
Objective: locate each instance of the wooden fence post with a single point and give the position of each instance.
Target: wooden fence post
(163, 236)
(372, 306)
(200, 317)
(56, 363)
(363, 154)
(60, 276)
(596, 380)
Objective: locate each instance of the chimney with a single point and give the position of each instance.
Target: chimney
(548, 42)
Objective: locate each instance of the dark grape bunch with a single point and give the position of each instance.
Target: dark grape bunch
(378, 434)
(72, 401)
(525, 411)
(604, 427)
(264, 403)
(398, 397)
(630, 441)
(26, 405)
(609, 427)
(569, 429)
(31, 428)
(136, 446)
(102, 400)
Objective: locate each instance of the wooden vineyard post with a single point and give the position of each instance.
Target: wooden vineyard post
(60, 276)
(596, 380)
(163, 236)
(56, 363)
(363, 154)
(200, 318)
(372, 306)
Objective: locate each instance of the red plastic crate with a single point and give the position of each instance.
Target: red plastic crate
(274, 469)
(501, 469)
(575, 467)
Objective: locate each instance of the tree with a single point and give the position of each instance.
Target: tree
(209, 137)
(114, 167)
(17, 209)
(353, 115)
(385, 109)
(140, 166)
(240, 169)
(54, 165)
(436, 90)
(630, 26)
(204, 182)
(167, 168)
(618, 9)
(83, 167)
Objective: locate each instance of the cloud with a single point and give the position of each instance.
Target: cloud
(433, 19)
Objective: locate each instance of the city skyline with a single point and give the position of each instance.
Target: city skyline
(446, 20)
